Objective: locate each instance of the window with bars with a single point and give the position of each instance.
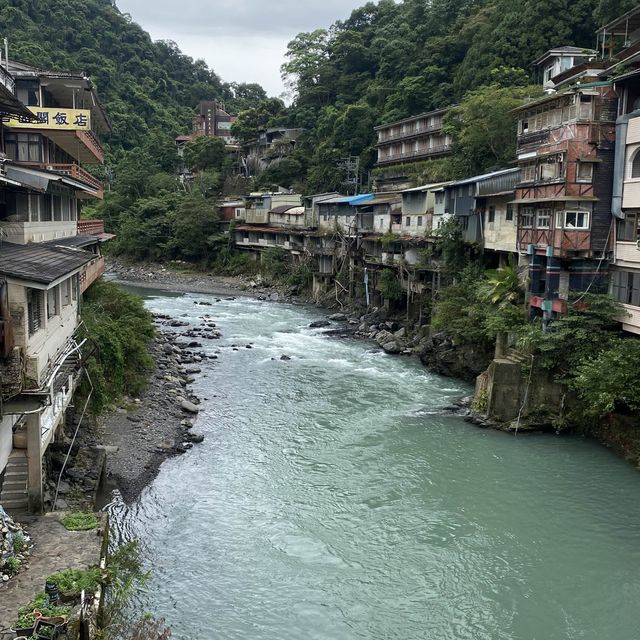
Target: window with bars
(34, 310)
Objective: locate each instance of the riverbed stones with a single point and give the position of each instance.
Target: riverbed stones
(189, 406)
(338, 317)
(392, 347)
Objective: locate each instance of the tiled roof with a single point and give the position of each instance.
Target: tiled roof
(40, 262)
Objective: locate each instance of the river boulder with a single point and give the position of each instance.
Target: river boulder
(317, 324)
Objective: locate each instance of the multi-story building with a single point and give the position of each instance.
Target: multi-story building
(565, 155)
(621, 39)
(45, 265)
(213, 121)
(414, 139)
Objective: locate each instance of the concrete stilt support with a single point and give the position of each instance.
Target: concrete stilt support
(34, 460)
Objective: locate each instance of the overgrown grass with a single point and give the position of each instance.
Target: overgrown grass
(80, 521)
(72, 582)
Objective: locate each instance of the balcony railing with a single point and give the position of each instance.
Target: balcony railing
(386, 137)
(90, 227)
(416, 153)
(72, 170)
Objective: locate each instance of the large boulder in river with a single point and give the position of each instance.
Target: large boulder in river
(465, 361)
(392, 347)
(338, 317)
(382, 337)
(316, 324)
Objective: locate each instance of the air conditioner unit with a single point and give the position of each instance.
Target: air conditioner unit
(638, 245)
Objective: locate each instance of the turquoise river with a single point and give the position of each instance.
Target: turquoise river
(331, 501)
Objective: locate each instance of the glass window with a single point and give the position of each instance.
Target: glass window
(528, 172)
(543, 218)
(66, 292)
(56, 202)
(407, 222)
(526, 217)
(28, 92)
(584, 172)
(440, 197)
(492, 214)
(551, 168)
(576, 220)
(52, 302)
(419, 221)
(635, 166)
(509, 215)
(625, 287)
(628, 228)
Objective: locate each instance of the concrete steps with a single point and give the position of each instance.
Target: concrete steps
(13, 496)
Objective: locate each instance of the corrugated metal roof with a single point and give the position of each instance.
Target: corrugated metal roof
(285, 208)
(40, 262)
(382, 200)
(73, 241)
(352, 200)
(484, 176)
(426, 187)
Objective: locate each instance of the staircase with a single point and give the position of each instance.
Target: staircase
(13, 496)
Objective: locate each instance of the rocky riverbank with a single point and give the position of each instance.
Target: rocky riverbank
(141, 433)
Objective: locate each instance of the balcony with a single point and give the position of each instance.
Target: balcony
(74, 171)
(90, 227)
(91, 272)
(417, 154)
(403, 135)
(256, 216)
(7, 80)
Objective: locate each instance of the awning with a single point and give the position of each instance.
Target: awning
(10, 105)
(39, 180)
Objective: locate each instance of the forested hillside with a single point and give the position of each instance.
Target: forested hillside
(388, 61)
(145, 85)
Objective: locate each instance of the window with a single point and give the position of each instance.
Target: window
(526, 217)
(543, 218)
(419, 221)
(381, 222)
(524, 126)
(74, 288)
(66, 292)
(24, 147)
(52, 302)
(28, 92)
(34, 310)
(464, 223)
(238, 213)
(470, 189)
(509, 215)
(628, 228)
(576, 220)
(528, 172)
(625, 287)
(551, 168)
(492, 214)
(439, 197)
(584, 172)
(635, 165)
(407, 222)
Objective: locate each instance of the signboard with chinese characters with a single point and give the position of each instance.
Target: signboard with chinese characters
(53, 118)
